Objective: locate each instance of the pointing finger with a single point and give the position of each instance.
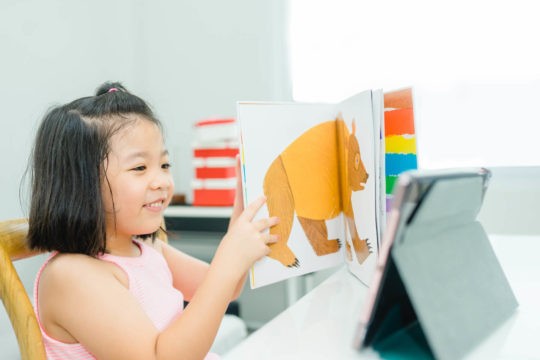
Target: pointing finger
(253, 208)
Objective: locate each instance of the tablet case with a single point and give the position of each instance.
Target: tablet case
(443, 289)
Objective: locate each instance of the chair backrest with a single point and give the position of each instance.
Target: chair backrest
(13, 246)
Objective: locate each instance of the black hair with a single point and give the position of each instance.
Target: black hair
(67, 212)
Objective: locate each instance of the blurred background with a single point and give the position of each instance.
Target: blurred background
(474, 66)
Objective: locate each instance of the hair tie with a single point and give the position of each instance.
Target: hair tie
(112, 90)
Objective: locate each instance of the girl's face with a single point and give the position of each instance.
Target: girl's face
(139, 179)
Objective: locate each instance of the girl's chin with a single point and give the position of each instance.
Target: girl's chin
(148, 230)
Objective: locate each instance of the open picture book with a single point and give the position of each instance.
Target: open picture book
(327, 171)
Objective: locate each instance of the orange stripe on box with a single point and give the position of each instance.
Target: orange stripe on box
(230, 152)
(399, 122)
(215, 172)
(399, 99)
(218, 197)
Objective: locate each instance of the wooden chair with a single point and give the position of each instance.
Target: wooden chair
(13, 246)
(16, 301)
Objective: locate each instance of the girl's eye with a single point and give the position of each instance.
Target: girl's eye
(139, 168)
(166, 166)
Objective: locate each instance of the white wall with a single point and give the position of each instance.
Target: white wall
(201, 58)
(52, 52)
(190, 59)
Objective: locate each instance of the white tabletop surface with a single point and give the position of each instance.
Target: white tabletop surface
(322, 324)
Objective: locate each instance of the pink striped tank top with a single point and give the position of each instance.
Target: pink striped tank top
(150, 282)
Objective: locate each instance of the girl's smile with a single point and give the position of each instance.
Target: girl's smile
(156, 206)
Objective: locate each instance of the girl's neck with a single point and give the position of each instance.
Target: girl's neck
(122, 246)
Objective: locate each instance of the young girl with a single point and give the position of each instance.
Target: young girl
(110, 290)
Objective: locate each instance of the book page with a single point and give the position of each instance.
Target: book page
(289, 153)
(318, 166)
(360, 195)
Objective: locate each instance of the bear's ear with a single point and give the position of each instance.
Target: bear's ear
(353, 126)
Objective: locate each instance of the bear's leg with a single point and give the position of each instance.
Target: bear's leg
(317, 235)
(280, 203)
(361, 247)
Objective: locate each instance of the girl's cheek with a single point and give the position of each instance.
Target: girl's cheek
(171, 184)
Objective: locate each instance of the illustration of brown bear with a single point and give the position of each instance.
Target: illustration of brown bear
(304, 180)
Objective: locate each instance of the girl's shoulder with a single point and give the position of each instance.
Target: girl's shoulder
(73, 269)
(64, 262)
(72, 284)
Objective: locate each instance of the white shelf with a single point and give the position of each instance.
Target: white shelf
(199, 211)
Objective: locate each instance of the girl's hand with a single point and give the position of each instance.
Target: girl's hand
(247, 240)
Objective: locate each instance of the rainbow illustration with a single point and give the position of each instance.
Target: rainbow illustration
(399, 137)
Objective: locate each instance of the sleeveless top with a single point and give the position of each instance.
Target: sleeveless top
(150, 282)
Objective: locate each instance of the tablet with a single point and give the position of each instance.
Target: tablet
(438, 286)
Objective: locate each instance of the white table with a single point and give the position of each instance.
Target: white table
(322, 324)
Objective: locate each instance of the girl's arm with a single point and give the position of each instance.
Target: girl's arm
(243, 244)
(188, 282)
(89, 302)
(189, 272)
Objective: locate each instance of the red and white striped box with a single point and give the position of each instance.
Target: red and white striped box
(214, 192)
(215, 168)
(215, 176)
(216, 130)
(214, 161)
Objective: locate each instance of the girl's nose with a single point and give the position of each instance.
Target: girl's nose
(161, 181)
